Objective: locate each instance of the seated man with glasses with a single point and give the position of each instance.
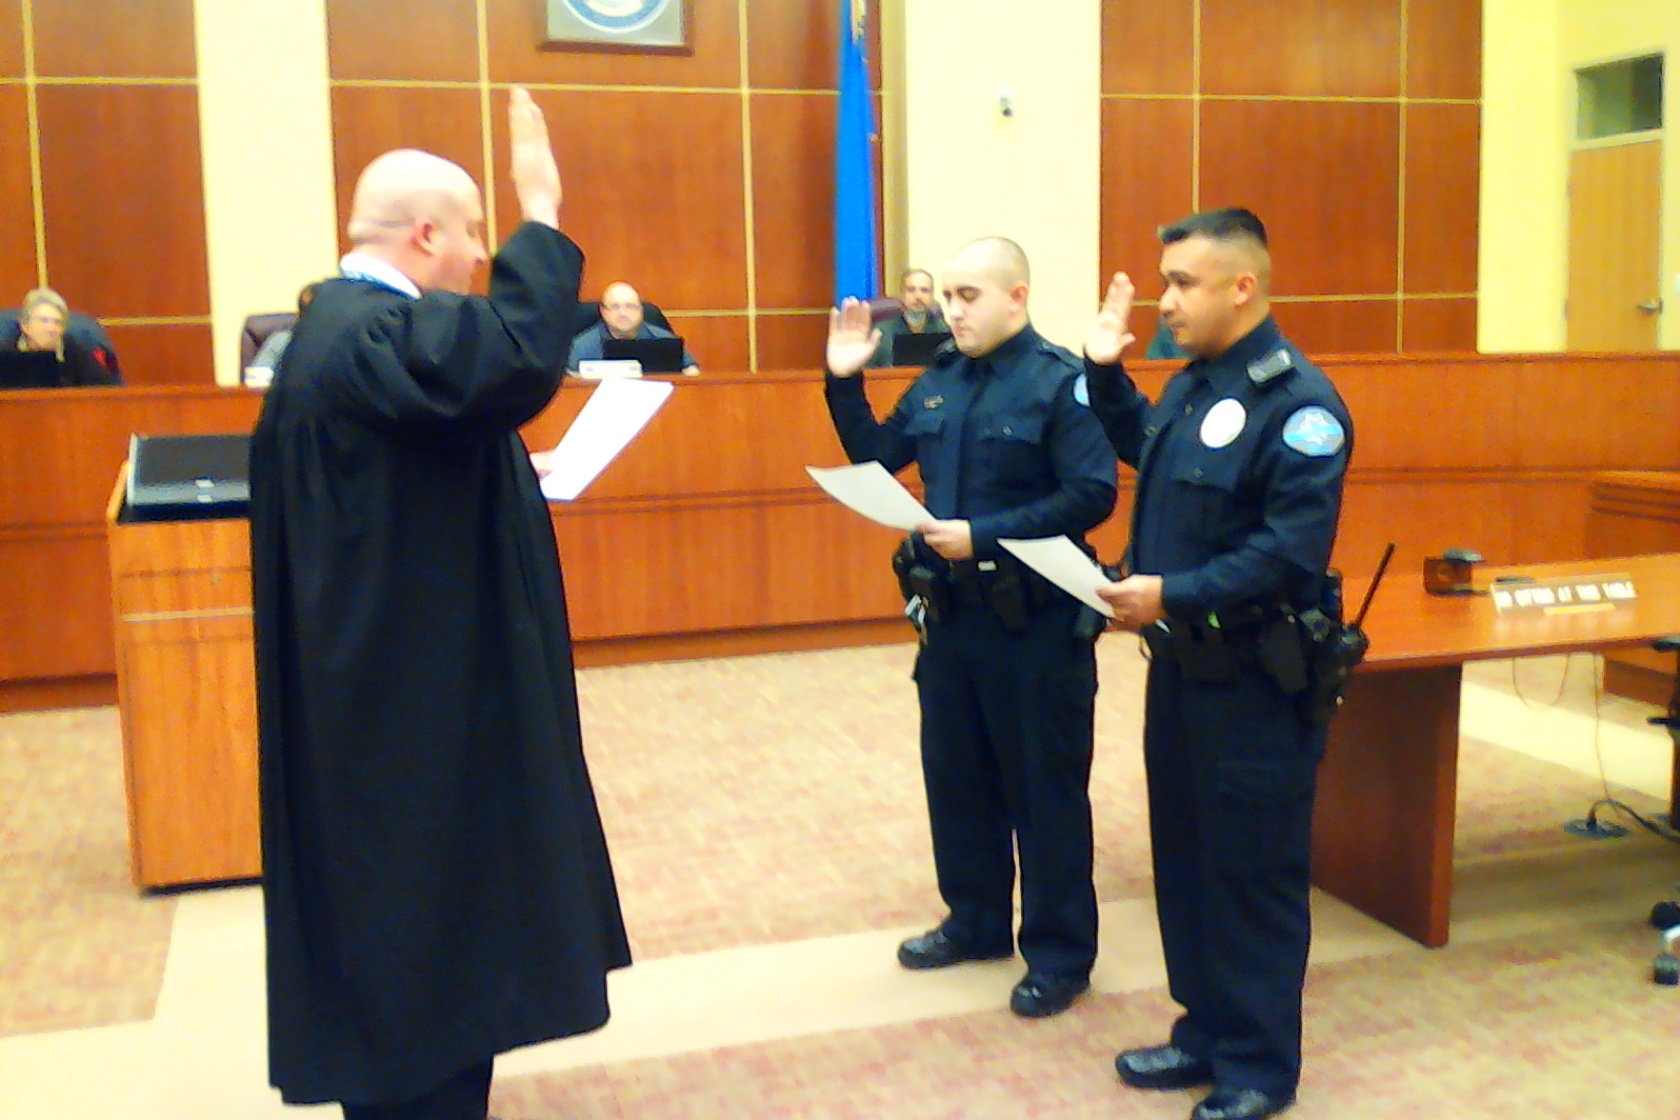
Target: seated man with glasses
(622, 316)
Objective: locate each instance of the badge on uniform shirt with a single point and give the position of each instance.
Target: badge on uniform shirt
(1262, 370)
(1313, 432)
(1082, 391)
(1223, 422)
(932, 402)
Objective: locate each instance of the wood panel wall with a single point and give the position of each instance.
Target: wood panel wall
(1352, 127)
(704, 179)
(707, 536)
(101, 185)
(1633, 512)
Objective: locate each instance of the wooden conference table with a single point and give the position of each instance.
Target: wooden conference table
(1387, 793)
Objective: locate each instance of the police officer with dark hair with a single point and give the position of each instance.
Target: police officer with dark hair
(1239, 485)
(1008, 447)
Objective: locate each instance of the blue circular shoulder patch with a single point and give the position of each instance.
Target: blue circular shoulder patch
(1082, 390)
(1314, 432)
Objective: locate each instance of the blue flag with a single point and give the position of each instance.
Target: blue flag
(857, 267)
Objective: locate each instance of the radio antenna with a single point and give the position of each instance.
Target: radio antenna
(1382, 566)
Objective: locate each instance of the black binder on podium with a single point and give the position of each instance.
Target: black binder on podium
(188, 478)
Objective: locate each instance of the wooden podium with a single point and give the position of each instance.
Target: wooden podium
(181, 597)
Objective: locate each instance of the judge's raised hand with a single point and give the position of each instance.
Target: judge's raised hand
(1109, 336)
(852, 338)
(536, 177)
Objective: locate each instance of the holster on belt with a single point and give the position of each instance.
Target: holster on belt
(1158, 639)
(1282, 645)
(1205, 652)
(917, 580)
(1272, 637)
(1001, 585)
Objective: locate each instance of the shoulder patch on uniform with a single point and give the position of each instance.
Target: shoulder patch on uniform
(1082, 390)
(1314, 432)
(1272, 366)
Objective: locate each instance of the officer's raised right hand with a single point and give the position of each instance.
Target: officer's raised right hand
(851, 338)
(1108, 337)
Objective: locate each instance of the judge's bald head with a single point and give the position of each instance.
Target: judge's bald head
(401, 186)
(423, 214)
(985, 293)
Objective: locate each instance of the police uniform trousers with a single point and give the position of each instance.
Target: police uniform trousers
(466, 1096)
(1231, 773)
(1006, 757)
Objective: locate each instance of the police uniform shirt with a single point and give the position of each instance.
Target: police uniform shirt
(1240, 469)
(1005, 441)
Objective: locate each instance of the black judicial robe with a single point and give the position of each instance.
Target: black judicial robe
(437, 884)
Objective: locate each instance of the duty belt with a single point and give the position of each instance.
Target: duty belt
(1217, 649)
(1003, 586)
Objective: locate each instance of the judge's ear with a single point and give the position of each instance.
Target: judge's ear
(423, 235)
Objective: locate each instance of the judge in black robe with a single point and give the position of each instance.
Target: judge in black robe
(437, 883)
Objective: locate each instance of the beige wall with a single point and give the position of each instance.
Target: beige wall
(1522, 270)
(268, 168)
(1035, 177)
(1531, 51)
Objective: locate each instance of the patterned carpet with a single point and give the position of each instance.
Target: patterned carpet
(747, 801)
(779, 797)
(78, 945)
(1557, 1026)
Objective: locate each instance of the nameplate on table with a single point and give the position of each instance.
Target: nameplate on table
(600, 369)
(1564, 595)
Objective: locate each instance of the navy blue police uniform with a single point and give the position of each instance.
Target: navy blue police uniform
(1007, 706)
(1239, 486)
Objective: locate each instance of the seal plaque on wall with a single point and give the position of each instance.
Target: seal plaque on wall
(637, 24)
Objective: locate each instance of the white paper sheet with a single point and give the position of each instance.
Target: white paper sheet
(1064, 564)
(617, 410)
(868, 489)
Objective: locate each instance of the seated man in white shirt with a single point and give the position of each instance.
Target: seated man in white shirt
(621, 317)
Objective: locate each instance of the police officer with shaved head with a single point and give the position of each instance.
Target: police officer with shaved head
(1008, 448)
(1239, 485)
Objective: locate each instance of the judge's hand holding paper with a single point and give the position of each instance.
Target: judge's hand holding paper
(616, 411)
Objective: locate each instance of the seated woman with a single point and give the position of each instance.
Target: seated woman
(42, 323)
